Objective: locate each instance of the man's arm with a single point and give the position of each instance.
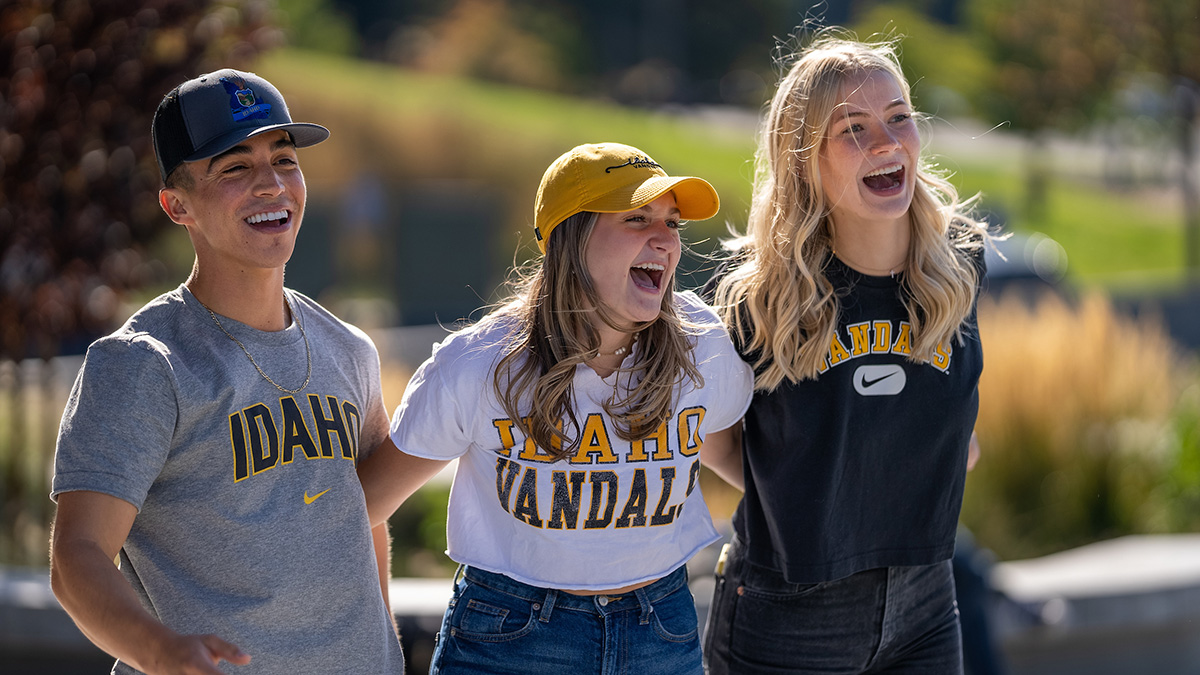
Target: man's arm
(722, 452)
(89, 530)
(389, 476)
(383, 559)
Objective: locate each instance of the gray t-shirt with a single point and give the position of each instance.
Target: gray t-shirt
(251, 523)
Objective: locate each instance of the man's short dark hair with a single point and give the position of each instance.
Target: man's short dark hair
(179, 179)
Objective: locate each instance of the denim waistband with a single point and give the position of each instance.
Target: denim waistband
(640, 597)
(737, 562)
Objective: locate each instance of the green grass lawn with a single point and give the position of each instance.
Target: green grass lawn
(413, 125)
(1114, 239)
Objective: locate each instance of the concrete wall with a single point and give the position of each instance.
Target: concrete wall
(1121, 607)
(1125, 606)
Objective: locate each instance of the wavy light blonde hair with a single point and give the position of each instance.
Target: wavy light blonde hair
(778, 299)
(552, 310)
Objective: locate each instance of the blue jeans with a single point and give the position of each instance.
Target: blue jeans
(889, 620)
(497, 625)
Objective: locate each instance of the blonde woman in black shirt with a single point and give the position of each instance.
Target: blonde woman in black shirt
(852, 293)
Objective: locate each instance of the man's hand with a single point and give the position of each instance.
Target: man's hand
(89, 530)
(195, 655)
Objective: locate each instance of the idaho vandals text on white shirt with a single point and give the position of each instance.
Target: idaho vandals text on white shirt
(651, 495)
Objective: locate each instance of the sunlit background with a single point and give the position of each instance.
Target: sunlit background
(1075, 119)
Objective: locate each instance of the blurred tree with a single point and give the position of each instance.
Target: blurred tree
(1168, 37)
(1056, 65)
(948, 69)
(945, 12)
(79, 82)
(636, 51)
(319, 26)
(376, 21)
(494, 40)
(693, 51)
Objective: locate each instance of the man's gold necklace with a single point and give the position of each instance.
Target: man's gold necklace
(307, 350)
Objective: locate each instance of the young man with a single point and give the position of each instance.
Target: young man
(211, 441)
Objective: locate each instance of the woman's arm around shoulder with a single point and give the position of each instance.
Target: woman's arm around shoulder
(722, 453)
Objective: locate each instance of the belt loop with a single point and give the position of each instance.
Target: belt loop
(460, 574)
(644, 601)
(548, 605)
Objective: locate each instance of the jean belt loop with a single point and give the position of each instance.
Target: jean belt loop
(644, 601)
(548, 605)
(460, 574)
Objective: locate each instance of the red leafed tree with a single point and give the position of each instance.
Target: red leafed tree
(79, 82)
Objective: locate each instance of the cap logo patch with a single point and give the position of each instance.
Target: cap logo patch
(643, 162)
(243, 103)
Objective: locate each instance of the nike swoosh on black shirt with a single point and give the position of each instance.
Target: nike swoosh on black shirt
(867, 384)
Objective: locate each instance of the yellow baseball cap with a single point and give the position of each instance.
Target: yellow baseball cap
(613, 178)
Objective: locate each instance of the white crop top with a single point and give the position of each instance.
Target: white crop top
(614, 513)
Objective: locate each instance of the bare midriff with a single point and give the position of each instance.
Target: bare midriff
(614, 591)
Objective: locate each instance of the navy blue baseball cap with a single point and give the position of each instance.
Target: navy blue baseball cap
(206, 116)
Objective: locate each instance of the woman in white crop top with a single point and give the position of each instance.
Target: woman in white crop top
(578, 412)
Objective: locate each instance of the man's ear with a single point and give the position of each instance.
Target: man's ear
(175, 204)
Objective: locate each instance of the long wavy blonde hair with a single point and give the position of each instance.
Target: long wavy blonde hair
(553, 311)
(778, 300)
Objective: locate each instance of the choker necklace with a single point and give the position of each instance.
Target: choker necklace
(619, 350)
(307, 350)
